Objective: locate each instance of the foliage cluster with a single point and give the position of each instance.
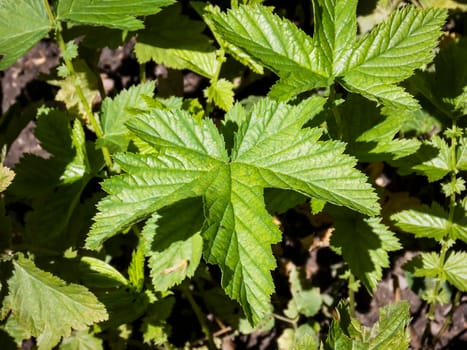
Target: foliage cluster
(146, 200)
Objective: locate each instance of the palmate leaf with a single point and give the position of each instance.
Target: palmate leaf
(270, 150)
(22, 24)
(370, 66)
(109, 13)
(46, 307)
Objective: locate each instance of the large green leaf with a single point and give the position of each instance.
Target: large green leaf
(270, 150)
(165, 41)
(109, 13)
(364, 243)
(48, 308)
(22, 24)
(370, 66)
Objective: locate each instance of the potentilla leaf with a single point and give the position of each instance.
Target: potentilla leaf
(115, 113)
(48, 308)
(270, 149)
(119, 14)
(22, 24)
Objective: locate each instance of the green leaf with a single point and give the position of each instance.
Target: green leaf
(284, 49)
(379, 91)
(364, 243)
(370, 66)
(425, 222)
(303, 338)
(115, 113)
(448, 95)
(136, 268)
(154, 326)
(166, 42)
(48, 308)
(437, 165)
(81, 341)
(305, 300)
(456, 270)
(235, 51)
(335, 30)
(22, 24)
(270, 150)
(174, 247)
(391, 332)
(98, 274)
(55, 184)
(462, 154)
(6, 177)
(426, 265)
(370, 131)
(395, 48)
(221, 93)
(110, 13)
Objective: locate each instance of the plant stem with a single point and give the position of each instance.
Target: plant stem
(351, 294)
(199, 315)
(79, 91)
(335, 112)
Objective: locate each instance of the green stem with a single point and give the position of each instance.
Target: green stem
(142, 72)
(335, 112)
(199, 315)
(445, 244)
(351, 294)
(79, 91)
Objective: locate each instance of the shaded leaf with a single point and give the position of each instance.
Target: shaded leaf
(364, 243)
(166, 42)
